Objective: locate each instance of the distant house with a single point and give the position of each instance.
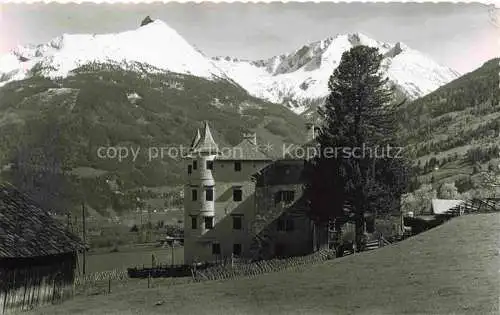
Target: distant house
(443, 206)
(37, 254)
(441, 210)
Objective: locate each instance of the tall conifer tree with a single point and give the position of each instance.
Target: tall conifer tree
(359, 122)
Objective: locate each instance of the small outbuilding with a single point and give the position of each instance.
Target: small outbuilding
(447, 206)
(38, 255)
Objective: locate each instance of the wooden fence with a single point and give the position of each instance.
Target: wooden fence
(99, 282)
(25, 289)
(115, 274)
(239, 270)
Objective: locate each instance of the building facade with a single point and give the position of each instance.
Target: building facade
(243, 202)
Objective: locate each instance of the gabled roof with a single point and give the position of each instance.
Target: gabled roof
(26, 230)
(206, 144)
(441, 206)
(245, 150)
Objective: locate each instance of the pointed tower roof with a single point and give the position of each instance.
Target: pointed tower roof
(206, 144)
(196, 139)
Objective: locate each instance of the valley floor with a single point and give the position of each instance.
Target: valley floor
(452, 269)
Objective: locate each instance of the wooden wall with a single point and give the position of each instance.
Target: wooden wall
(27, 283)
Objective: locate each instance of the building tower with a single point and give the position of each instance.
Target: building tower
(199, 195)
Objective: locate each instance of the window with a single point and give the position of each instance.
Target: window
(237, 166)
(237, 194)
(209, 194)
(280, 225)
(209, 223)
(286, 196)
(237, 222)
(215, 249)
(237, 249)
(210, 165)
(194, 194)
(195, 165)
(194, 223)
(190, 169)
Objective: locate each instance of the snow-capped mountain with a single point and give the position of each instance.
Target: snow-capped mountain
(294, 79)
(301, 76)
(155, 44)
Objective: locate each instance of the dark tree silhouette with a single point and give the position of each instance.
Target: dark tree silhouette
(359, 124)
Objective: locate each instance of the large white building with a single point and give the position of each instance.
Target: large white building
(244, 202)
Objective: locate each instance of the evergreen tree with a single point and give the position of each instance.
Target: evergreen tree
(357, 115)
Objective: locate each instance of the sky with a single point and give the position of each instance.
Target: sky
(461, 36)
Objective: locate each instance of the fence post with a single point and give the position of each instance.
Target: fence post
(149, 280)
(53, 290)
(5, 299)
(109, 285)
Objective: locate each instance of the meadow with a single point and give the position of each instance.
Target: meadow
(451, 269)
(130, 256)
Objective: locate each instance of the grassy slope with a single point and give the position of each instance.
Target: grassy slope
(131, 256)
(452, 269)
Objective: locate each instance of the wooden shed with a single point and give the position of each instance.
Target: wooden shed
(37, 254)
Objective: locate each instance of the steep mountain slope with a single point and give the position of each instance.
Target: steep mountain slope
(52, 129)
(155, 44)
(298, 79)
(301, 77)
(454, 132)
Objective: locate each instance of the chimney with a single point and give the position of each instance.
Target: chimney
(311, 131)
(252, 137)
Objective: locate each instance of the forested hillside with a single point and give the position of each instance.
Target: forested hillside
(52, 129)
(454, 134)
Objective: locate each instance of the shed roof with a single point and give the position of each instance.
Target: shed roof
(441, 206)
(26, 230)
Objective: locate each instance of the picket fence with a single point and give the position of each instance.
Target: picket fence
(115, 274)
(236, 268)
(239, 270)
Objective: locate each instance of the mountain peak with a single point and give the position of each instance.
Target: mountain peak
(301, 77)
(154, 43)
(147, 20)
(396, 50)
(358, 38)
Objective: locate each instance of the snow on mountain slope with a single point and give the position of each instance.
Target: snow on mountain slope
(295, 79)
(302, 76)
(155, 43)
